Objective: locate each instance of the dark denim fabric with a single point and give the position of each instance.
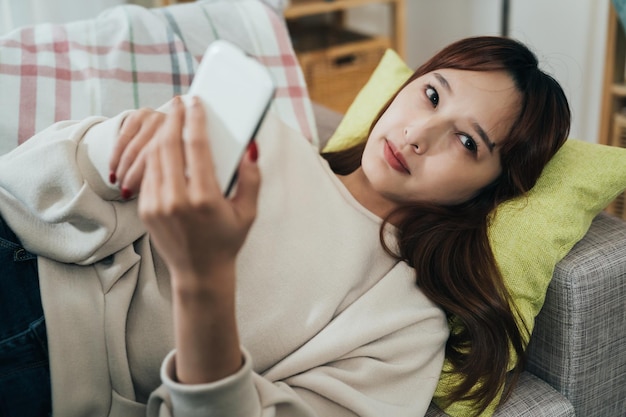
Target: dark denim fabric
(24, 367)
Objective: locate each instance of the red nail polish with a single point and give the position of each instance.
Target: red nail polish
(253, 151)
(112, 178)
(126, 193)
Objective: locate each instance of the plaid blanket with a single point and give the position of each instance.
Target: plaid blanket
(132, 57)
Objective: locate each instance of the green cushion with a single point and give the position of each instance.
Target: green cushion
(388, 76)
(530, 234)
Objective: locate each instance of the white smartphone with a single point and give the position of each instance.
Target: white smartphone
(236, 91)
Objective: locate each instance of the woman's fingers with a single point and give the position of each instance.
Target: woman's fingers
(163, 182)
(136, 132)
(130, 127)
(148, 199)
(132, 180)
(172, 158)
(132, 152)
(249, 182)
(201, 170)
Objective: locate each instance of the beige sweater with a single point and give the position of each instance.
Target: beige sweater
(330, 324)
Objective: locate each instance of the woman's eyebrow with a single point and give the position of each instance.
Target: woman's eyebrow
(444, 83)
(483, 135)
(481, 132)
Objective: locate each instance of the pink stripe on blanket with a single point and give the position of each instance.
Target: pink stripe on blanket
(291, 92)
(125, 46)
(115, 74)
(283, 60)
(63, 75)
(291, 72)
(28, 88)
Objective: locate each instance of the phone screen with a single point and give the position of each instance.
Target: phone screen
(236, 91)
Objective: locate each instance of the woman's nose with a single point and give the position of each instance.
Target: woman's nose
(411, 140)
(423, 136)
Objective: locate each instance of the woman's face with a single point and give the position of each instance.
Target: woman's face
(439, 140)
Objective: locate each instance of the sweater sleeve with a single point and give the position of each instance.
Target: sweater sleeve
(54, 193)
(382, 356)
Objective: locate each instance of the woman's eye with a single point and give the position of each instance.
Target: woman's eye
(432, 95)
(468, 142)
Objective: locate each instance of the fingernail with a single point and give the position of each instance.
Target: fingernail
(112, 178)
(126, 193)
(253, 151)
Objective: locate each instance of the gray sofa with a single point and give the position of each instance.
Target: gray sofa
(577, 353)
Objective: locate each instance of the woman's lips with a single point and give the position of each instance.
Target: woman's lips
(395, 158)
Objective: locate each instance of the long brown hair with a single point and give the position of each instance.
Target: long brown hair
(448, 246)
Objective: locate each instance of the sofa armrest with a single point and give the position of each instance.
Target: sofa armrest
(579, 342)
(532, 397)
(535, 398)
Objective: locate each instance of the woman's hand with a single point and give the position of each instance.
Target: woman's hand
(127, 162)
(198, 232)
(194, 227)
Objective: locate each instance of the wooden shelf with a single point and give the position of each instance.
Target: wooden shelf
(300, 8)
(618, 90)
(303, 8)
(614, 86)
(613, 114)
(337, 61)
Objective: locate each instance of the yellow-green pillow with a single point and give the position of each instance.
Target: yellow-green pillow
(529, 235)
(388, 76)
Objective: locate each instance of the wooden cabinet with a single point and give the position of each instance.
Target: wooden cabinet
(613, 115)
(337, 61)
